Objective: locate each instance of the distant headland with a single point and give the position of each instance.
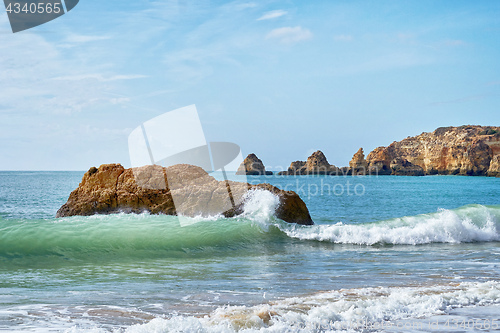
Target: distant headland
(466, 150)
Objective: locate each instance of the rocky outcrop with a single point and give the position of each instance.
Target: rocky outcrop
(180, 189)
(252, 165)
(464, 150)
(358, 164)
(316, 164)
(494, 169)
(294, 169)
(401, 167)
(379, 161)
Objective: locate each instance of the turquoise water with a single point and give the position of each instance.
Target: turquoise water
(383, 249)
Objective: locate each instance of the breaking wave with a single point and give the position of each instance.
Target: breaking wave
(473, 223)
(134, 235)
(364, 309)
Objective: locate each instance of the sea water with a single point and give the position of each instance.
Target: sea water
(417, 254)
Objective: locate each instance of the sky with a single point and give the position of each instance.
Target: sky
(281, 79)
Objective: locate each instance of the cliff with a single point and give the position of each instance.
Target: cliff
(464, 150)
(179, 189)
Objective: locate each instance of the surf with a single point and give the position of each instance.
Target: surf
(361, 309)
(136, 235)
(472, 223)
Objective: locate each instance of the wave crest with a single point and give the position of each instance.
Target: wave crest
(473, 223)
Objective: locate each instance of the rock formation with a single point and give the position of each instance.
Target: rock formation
(294, 169)
(464, 150)
(252, 165)
(494, 169)
(179, 189)
(316, 164)
(358, 164)
(401, 167)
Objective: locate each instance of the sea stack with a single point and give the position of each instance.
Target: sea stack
(252, 165)
(113, 189)
(316, 164)
(358, 164)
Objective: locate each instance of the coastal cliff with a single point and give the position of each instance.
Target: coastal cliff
(113, 189)
(464, 150)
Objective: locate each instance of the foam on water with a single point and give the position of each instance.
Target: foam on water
(134, 235)
(474, 223)
(260, 206)
(365, 309)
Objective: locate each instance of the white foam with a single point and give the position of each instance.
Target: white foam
(469, 224)
(260, 206)
(365, 308)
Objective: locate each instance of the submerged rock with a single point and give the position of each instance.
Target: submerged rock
(252, 165)
(179, 189)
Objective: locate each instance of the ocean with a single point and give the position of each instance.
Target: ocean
(387, 253)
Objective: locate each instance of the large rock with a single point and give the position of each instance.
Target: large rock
(112, 189)
(316, 164)
(464, 150)
(379, 161)
(358, 164)
(494, 169)
(294, 169)
(252, 165)
(401, 167)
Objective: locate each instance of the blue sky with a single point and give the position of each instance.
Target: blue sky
(280, 78)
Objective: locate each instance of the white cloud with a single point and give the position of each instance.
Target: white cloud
(290, 35)
(73, 38)
(36, 81)
(243, 6)
(343, 38)
(99, 77)
(272, 15)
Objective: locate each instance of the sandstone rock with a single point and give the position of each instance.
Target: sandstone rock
(252, 165)
(379, 161)
(464, 150)
(494, 169)
(316, 164)
(113, 189)
(295, 168)
(401, 167)
(358, 164)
